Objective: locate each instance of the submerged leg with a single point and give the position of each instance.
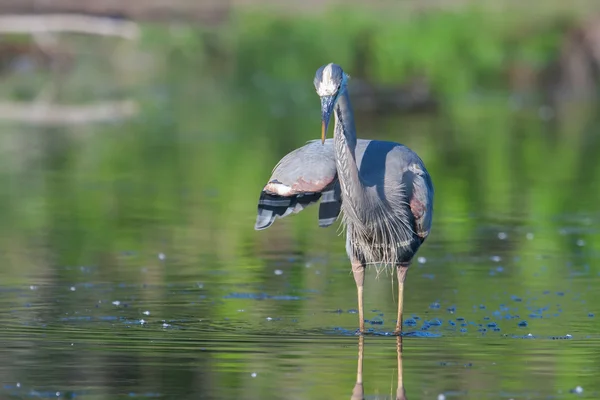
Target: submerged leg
(358, 269)
(401, 270)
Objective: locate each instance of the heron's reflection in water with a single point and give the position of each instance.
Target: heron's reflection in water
(358, 393)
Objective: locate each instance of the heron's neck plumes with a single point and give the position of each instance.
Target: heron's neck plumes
(345, 148)
(344, 121)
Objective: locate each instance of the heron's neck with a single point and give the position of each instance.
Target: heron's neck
(345, 149)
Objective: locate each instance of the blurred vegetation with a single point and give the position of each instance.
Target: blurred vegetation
(457, 51)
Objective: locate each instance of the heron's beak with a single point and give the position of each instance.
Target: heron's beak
(327, 104)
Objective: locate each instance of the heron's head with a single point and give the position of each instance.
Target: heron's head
(330, 83)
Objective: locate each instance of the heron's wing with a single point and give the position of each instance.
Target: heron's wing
(300, 179)
(396, 168)
(421, 200)
(331, 204)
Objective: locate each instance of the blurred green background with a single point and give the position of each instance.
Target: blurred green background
(138, 160)
(215, 107)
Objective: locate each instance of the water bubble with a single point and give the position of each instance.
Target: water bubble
(161, 256)
(422, 260)
(278, 272)
(57, 394)
(577, 390)
(254, 374)
(72, 288)
(441, 396)
(502, 235)
(18, 384)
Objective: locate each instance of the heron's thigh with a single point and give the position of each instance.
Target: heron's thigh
(401, 270)
(355, 256)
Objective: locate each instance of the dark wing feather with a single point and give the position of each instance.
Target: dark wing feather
(300, 179)
(331, 204)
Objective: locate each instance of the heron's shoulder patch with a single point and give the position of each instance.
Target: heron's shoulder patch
(416, 169)
(276, 187)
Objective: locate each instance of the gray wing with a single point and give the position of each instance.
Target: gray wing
(418, 189)
(390, 166)
(421, 201)
(300, 179)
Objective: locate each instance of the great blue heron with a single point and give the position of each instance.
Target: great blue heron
(383, 189)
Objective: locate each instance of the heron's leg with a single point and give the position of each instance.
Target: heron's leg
(358, 269)
(401, 270)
